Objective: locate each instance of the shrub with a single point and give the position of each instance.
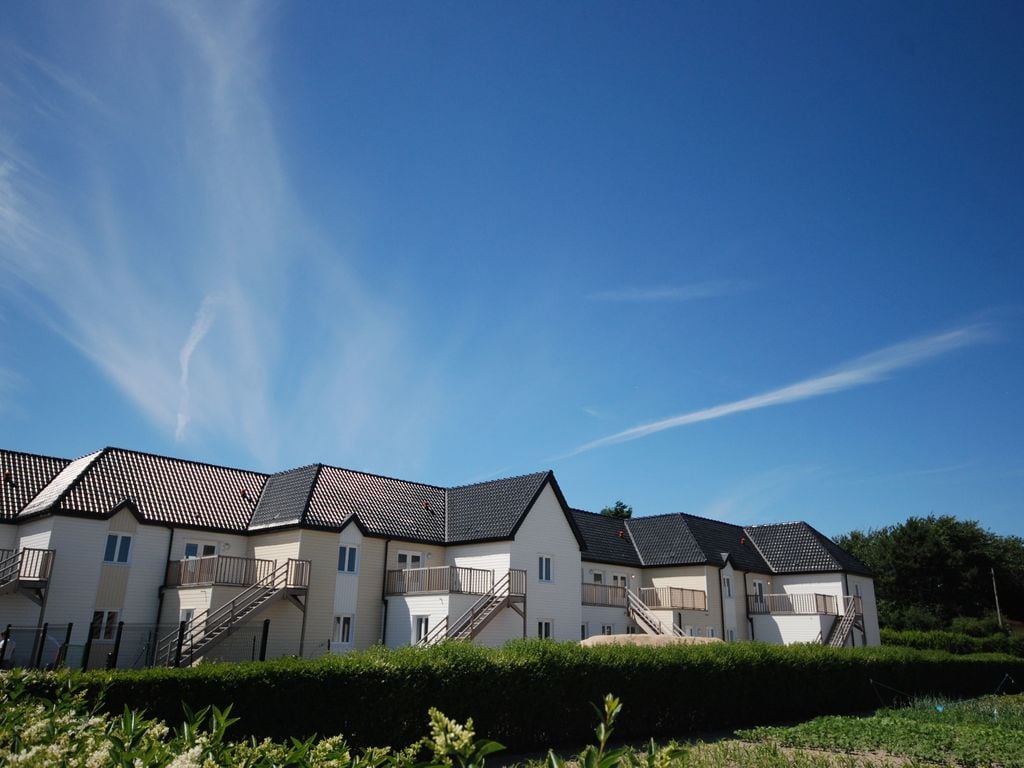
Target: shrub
(533, 694)
(954, 642)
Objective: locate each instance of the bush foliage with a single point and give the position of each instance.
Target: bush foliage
(954, 642)
(533, 694)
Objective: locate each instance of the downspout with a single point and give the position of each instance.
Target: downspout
(746, 605)
(721, 599)
(383, 596)
(163, 588)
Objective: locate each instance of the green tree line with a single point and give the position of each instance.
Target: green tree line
(936, 572)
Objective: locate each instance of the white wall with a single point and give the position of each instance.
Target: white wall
(236, 545)
(491, 556)
(867, 592)
(401, 610)
(8, 536)
(545, 531)
(791, 629)
(596, 615)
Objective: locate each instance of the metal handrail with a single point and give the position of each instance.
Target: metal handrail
(440, 578)
(28, 564)
(291, 574)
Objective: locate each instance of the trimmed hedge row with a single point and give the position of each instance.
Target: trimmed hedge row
(954, 642)
(533, 694)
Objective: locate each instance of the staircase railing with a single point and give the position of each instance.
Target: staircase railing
(512, 585)
(642, 616)
(290, 574)
(841, 629)
(27, 565)
(488, 603)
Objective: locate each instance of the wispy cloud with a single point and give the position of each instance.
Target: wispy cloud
(868, 369)
(750, 498)
(155, 176)
(668, 293)
(204, 319)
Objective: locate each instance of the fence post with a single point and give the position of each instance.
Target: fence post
(38, 647)
(62, 654)
(112, 664)
(263, 639)
(181, 641)
(87, 650)
(3, 650)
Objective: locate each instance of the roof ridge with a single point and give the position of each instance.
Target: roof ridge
(709, 519)
(382, 477)
(294, 469)
(753, 542)
(96, 456)
(312, 489)
(15, 452)
(180, 460)
(632, 541)
(500, 479)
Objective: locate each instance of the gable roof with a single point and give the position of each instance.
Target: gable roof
(799, 548)
(492, 509)
(24, 475)
(716, 539)
(160, 489)
(284, 498)
(606, 539)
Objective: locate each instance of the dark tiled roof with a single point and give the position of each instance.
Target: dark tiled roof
(384, 506)
(28, 474)
(716, 538)
(665, 540)
(798, 548)
(284, 498)
(162, 489)
(607, 539)
(491, 510)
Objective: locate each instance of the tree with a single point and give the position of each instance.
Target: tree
(932, 570)
(619, 510)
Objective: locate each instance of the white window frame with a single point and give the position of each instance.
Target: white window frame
(420, 628)
(731, 634)
(584, 631)
(545, 629)
(688, 631)
(597, 577)
(119, 539)
(711, 631)
(104, 631)
(351, 559)
(607, 629)
(545, 569)
(632, 629)
(759, 589)
(344, 630)
(620, 580)
(727, 584)
(186, 615)
(409, 555)
(201, 547)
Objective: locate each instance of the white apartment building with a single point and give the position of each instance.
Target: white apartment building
(338, 560)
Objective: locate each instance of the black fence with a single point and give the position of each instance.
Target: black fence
(128, 646)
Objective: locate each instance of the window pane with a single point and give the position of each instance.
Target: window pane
(352, 559)
(122, 552)
(108, 555)
(346, 629)
(209, 550)
(111, 625)
(97, 622)
(191, 550)
(341, 559)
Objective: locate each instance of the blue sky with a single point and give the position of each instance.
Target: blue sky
(756, 263)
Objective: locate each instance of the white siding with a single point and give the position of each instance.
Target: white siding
(867, 593)
(229, 544)
(545, 531)
(594, 616)
(493, 556)
(402, 611)
(791, 629)
(8, 536)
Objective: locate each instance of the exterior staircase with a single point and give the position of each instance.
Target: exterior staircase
(646, 620)
(509, 591)
(195, 638)
(842, 627)
(28, 570)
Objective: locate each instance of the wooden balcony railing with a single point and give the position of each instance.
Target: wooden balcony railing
(222, 570)
(442, 578)
(675, 598)
(801, 604)
(26, 565)
(516, 582)
(604, 594)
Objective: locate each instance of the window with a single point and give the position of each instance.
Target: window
(698, 632)
(731, 634)
(410, 559)
(342, 630)
(544, 629)
(711, 631)
(759, 590)
(688, 630)
(198, 549)
(544, 568)
(618, 579)
(631, 630)
(186, 614)
(347, 558)
(727, 586)
(584, 632)
(104, 625)
(607, 629)
(119, 546)
(422, 624)
(598, 577)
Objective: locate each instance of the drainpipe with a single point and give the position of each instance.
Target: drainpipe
(383, 595)
(160, 601)
(746, 605)
(721, 599)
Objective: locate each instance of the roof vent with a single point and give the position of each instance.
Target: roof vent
(743, 540)
(426, 505)
(622, 534)
(8, 477)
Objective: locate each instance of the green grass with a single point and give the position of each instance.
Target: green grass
(988, 731)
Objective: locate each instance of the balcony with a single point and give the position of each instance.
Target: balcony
(604, 594)
(27, 568)
(222, 570)
(674, 598)
(442, 579)
(801, 604)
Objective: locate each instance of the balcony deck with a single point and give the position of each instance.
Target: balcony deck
(442, 579)
(218, 570)
(801, 604)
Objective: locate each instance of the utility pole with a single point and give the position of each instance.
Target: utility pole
(995, 592)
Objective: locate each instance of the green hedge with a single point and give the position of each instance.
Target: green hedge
(954, 642)
(537, 693)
